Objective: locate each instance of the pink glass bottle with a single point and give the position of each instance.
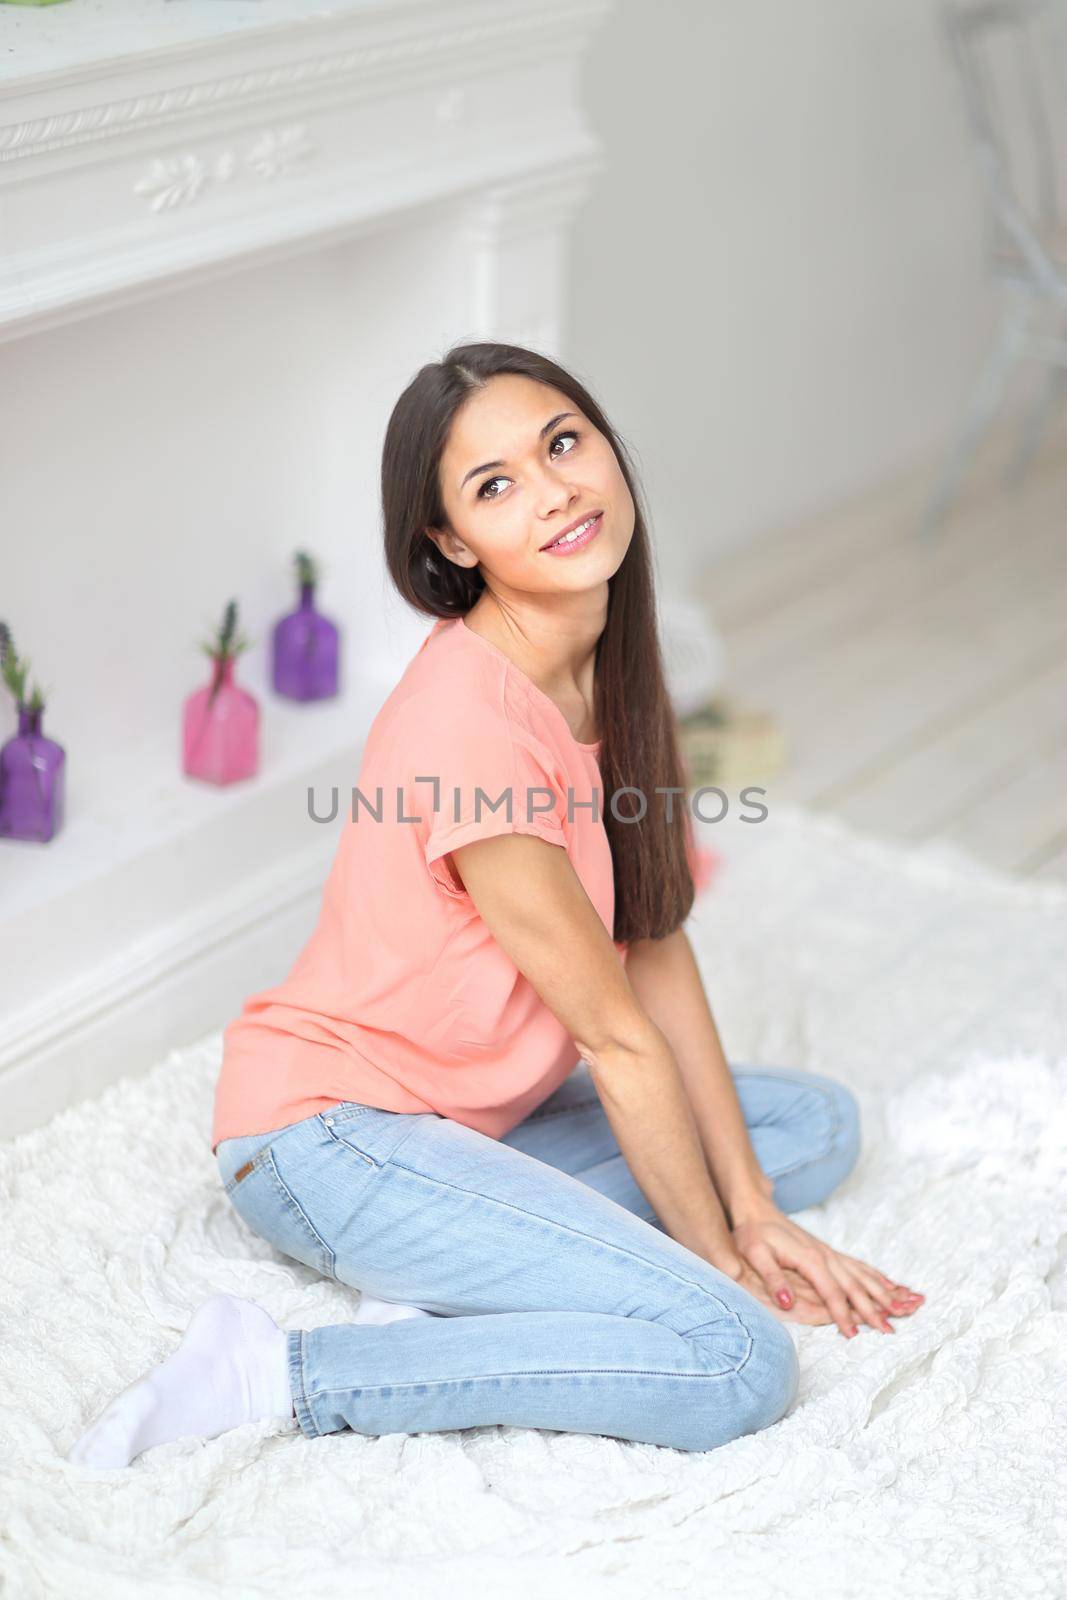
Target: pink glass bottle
(220, 730)
(32, 781)
(305, 651)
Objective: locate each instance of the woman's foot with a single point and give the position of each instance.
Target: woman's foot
(231, 1367)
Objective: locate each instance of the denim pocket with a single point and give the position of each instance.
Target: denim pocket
(264, 1200)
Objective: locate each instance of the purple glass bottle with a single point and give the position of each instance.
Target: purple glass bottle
(305, 646)
(32, 781)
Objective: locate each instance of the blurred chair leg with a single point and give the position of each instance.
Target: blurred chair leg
(985, 401)
(1049, 393)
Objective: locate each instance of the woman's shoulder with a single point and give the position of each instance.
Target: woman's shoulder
(455, 686)
(447, 703)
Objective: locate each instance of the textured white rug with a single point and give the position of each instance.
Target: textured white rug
(928, 1462)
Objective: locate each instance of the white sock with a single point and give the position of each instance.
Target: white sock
(380, 1312)
(231, 1367)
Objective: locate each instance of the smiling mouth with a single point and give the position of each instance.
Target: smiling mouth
(573, 534)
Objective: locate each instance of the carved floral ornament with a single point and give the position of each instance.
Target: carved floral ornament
(179, 180)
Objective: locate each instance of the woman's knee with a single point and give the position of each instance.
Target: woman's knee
(828, 1146)
(760, 1390)
(827, 1174)
(771, 1375)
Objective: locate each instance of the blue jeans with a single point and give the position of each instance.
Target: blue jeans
(561, 1302)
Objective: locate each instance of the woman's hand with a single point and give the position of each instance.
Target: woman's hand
(805, 1305)
(807, 1279)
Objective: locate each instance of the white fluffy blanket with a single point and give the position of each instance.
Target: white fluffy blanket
(926, 1463)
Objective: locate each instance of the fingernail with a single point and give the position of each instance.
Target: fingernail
(784, 1297)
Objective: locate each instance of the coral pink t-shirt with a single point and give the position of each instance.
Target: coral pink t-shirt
(401, 997)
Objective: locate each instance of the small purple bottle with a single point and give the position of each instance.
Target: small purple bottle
(32, 766)
(305, 644)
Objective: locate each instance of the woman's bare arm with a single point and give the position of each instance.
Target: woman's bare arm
(664, 976)
(535, 906)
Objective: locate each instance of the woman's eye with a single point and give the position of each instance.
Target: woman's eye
(569, 434)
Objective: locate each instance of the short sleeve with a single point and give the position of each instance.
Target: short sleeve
(494, 778)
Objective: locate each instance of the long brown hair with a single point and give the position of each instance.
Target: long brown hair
(639, 738)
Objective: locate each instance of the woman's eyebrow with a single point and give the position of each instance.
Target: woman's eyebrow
(486, 465)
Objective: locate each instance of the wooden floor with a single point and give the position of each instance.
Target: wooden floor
(921, 689)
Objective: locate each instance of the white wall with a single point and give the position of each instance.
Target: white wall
(777, 284)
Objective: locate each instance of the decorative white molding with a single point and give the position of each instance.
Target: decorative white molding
(432, 46)
(245, 146)
(518, 234)
(530, 203)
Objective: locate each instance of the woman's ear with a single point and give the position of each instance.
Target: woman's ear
(451, 547)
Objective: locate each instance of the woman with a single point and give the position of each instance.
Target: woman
(491, 1094)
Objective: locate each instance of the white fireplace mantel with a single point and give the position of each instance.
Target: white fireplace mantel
(147, 146)
(174, 141)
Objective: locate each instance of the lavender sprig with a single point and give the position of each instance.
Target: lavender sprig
(308, 570)
(226, 646)
(14, 673)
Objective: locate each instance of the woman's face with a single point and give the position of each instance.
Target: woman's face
(514, 474)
